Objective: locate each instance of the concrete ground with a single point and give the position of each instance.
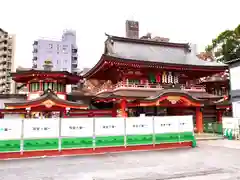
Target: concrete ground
(218, 159)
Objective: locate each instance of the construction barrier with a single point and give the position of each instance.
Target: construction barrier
(231, 128)
(24, 135)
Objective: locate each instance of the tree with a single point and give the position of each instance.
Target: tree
(226, 46)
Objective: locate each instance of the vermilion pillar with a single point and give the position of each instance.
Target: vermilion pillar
(123, 106)
(41, 86)
(199, 120)
(219, 116)
(114, 110)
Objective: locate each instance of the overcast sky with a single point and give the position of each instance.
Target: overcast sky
(195, 21)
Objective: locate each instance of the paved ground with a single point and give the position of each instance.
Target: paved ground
(217, 159)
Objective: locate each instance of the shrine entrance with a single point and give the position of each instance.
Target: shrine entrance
(171, 104)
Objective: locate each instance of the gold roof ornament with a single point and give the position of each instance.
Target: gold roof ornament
(48, 65)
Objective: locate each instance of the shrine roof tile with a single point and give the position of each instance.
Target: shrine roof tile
(160, 52)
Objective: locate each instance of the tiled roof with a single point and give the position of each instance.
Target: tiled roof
(164, 52)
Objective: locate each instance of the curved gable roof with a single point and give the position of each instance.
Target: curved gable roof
(48, 95)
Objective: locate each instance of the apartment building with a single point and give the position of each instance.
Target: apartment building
(62, 53)
(7, 64)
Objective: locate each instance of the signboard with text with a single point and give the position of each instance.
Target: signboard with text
(109, 126)
(41, 128)
(10, 129)
(77, 127)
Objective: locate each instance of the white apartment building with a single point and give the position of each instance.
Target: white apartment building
(7, 62)
(62, 52)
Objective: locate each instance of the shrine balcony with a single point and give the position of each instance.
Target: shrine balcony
(147, 87)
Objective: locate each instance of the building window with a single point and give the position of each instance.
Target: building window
(65, 51)
(50, 46)
(58, 47)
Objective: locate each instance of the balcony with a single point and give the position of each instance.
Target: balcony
(3, 38)
(35, 43)
(74, 61)
(3, 45)
(3, 53)
(74, 50)
(74, 66)
(74, 58)
(141, 90)
(34, 51)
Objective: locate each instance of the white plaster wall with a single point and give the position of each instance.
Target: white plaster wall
(234, 78)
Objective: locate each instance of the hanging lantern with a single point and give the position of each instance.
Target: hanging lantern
(158, 78)
(170, 78)
(152, 78)
(176, 78)
(164, 77)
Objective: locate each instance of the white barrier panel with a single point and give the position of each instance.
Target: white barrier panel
(230, 123)
(166, 124)
(139, 125)
(236, 109)
(109, 126)
(77, 127)
(10, 129)
(41, 128)
(185, 123)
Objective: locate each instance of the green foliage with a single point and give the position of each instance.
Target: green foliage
(226, 46)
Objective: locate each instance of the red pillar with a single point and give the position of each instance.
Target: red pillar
(28, 86)
(41, 86)
(114, 111)
(199, 120)
(123, 106)
(219, 116)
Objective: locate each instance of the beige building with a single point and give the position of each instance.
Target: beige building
(7, 52)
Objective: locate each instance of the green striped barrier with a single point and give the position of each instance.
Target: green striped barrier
(228, 133)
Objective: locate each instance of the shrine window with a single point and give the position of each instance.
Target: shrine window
(35, 86)
(60, 87)
(47, 85)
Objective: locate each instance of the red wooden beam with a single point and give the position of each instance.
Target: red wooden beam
(13, 111)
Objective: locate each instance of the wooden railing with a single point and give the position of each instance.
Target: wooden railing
(147, 86)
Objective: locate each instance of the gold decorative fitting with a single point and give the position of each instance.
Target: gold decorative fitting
(48, 103)
(173, 99)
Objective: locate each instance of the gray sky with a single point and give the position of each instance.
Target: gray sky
(196, 21)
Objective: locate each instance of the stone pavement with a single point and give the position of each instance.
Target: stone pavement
(218, 159)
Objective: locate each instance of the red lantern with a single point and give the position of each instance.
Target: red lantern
(158, 77)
